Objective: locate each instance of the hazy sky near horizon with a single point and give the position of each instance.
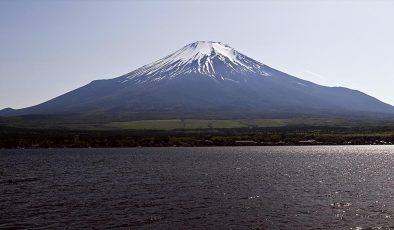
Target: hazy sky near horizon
(48, 48)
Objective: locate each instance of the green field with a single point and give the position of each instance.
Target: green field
(190, 124)
(147, 125)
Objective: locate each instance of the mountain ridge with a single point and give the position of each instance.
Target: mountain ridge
(206, 78)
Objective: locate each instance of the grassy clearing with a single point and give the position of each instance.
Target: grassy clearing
(196, 124)
(148, 125)
(228, 124)
(190, 124)
(261, 123)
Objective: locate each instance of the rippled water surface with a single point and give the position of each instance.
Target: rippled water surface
(342, 187)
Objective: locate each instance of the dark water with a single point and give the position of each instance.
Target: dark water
(170, 188)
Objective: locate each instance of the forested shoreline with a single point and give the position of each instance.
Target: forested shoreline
(60, 138)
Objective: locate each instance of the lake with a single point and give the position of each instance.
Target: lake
(314, 187)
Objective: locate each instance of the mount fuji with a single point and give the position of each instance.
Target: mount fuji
(206, 79)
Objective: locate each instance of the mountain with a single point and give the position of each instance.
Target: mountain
(205, 79)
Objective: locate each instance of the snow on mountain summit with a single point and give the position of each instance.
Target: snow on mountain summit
(210, 59)
(197, 50)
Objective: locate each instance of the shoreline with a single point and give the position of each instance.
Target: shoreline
(201, 146)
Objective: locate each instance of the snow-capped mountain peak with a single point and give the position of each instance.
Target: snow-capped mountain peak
(207, 80)
(200, 49)
(208, 59)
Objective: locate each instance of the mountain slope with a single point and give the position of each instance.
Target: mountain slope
(206, 78)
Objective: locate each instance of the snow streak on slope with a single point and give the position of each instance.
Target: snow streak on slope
(210, 59)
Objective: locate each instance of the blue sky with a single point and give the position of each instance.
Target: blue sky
(48, 48)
